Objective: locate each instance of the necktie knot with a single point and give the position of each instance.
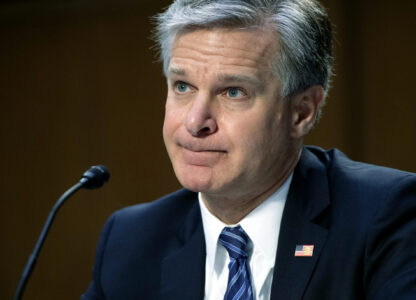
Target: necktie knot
(235, 241)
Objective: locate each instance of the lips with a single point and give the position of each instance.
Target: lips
(200, 147)
(201, 156)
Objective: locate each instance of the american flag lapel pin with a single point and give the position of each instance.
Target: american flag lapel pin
(304, 250)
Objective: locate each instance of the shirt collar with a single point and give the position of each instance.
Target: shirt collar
(262, 225)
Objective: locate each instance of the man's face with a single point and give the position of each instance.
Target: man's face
(226, 126)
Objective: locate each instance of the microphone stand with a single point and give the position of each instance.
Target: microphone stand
(33, 257)
(93, 178)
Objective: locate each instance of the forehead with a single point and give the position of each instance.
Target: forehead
(224, 49)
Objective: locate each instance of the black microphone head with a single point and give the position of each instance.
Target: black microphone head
(95, 177)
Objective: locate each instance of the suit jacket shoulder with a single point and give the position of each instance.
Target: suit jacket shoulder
(136, 245)
(361, 219)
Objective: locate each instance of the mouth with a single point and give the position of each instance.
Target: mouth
(201, 148)
(205, 157)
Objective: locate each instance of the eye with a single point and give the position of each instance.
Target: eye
(181, 87)
(235, 93)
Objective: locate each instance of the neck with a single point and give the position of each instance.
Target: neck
(232, 210)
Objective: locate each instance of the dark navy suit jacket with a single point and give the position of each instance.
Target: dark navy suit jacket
(360, 218)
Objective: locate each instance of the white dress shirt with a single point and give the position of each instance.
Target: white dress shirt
(262, 225)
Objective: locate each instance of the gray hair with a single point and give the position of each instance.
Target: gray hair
(303, 27)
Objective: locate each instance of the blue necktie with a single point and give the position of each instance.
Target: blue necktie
(235, 240)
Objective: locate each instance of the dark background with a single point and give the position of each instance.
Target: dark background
(80, 85)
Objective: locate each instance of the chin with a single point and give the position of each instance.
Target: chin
(196, 185)
(195, 179)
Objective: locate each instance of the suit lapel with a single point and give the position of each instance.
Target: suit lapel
(303, 223)
(183, 272)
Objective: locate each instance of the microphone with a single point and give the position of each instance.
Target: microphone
(93, 178)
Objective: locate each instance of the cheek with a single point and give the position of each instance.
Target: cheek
(173, 117)
(166, 131)
(248, 137)
(169, 124)
(262, 137)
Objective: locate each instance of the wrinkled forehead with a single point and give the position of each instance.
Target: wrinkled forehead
(254, 46)
(248, 38)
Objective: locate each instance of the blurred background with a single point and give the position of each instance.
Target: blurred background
(80, 85)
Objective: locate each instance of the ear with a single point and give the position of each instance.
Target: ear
(305, 107)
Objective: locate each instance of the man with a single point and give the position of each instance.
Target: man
(261, 216)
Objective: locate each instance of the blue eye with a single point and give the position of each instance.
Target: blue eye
(234, 92)
(182, 87)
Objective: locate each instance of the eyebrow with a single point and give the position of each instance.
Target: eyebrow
(228, 78)
(175, 71)
(240, 78)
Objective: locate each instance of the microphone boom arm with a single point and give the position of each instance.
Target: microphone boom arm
(33, 257)
(91, 179)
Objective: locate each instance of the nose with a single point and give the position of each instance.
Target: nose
(200, 120)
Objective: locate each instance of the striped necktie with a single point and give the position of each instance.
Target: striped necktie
(235, 240)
